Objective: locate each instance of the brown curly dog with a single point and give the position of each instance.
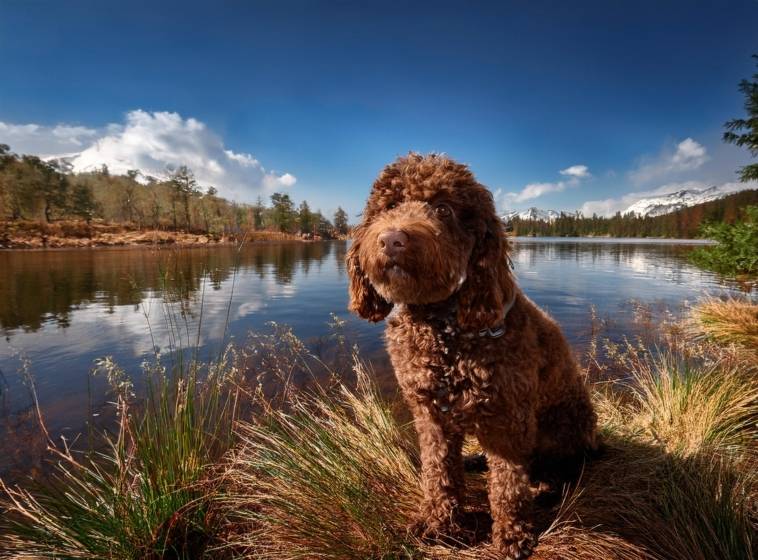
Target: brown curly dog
(472, 354)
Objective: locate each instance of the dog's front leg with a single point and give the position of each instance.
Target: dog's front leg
(509, 491)
(441, 474)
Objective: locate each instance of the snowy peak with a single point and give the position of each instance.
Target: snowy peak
(651, 205)
(532, 213)
(667, 203)
(70, 163)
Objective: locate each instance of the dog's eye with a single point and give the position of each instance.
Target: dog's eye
(442, 210)
(391, 205)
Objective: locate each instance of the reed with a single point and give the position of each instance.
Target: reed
(148, 492)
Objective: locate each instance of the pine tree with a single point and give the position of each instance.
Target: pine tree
(324, 227)
(340, 221)
(283, 211)
(209, 207)
(7, 202)
(185, 187)
(305, 218)
(83, 202)
(258, 210)
(749, 138)
(46, 184)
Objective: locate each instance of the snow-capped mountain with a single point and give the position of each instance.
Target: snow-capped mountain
(648, 206)
(532, 213)
(667, 203)
(64, 162)
(69, 163)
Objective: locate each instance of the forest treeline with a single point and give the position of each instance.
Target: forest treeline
(682, 224)
(38, 190)
(34, 189)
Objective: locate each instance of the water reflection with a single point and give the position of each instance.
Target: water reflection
(651, 261)
(61, 310)
(64, 309)
(37, 288)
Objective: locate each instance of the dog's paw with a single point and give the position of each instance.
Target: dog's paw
(516, 544)
(541, 487)
(436, 531)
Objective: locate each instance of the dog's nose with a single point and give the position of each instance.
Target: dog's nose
(392, 242)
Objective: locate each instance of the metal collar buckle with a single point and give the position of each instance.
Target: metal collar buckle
(497, 333)
(500, 331)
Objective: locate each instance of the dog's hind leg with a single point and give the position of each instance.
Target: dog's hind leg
(566, 436)
(568, 425)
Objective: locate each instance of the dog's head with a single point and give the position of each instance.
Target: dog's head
(430, 231)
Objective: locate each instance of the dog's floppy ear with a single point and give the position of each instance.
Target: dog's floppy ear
(488, 287)
(364, 299)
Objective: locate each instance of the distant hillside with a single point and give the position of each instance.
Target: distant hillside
(650, 206)
(532, 213)
(671, 202)
(35, 191)
(683, 224)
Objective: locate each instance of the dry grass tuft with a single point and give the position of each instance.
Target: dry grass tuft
(331, 477)
(684, 409)
(728, 321)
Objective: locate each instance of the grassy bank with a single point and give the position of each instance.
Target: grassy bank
(214, 465)
(79, 234)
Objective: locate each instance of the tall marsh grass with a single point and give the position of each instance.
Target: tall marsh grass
(329, 471)
(144, 494)
(334, 476)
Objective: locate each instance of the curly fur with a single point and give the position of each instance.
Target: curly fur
(520, 394)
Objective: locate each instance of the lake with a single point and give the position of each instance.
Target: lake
(61, 310)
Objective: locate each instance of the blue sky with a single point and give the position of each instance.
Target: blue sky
(315, 97)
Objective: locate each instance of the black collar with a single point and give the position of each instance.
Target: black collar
(445, 313)
(500, 330)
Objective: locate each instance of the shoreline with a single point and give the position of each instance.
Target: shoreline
(67, 235)
(150, 246)
(31, 236)
(603, 239)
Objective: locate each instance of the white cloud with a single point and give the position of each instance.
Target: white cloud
(45, 140)
(575, 174)
(535, 190)
(578, 171)
(687, 156)
(151, 142)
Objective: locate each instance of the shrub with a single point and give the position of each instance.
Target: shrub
(736, 251)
